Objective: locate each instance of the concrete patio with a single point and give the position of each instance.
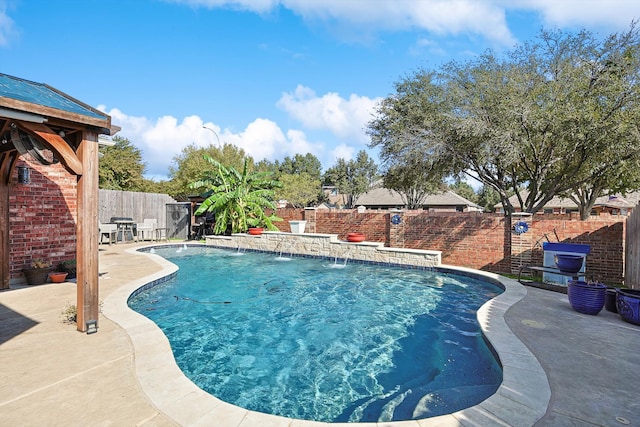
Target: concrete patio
(52, 375)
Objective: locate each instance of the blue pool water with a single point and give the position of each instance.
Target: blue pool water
(318, 340)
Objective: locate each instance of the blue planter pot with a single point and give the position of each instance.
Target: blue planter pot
(610, 300)
(568, 263)
(586, 298)
(628, 304)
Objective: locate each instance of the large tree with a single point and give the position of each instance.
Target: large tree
(300, 190)
(300, 164)
(353, 177)
(121, 167)
(189, 165)
(553, 116)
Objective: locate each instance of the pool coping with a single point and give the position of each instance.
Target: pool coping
(521, 399)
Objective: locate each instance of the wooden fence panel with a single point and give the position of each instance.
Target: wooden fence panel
(134, 205)
(632, 250)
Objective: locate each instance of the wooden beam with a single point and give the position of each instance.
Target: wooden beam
(58, 145)
(100, 121)
(7, 161)
(87, 232)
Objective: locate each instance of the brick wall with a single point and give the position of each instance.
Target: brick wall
(42, 217)
(469, 239)
(604, 233)
(479, 240)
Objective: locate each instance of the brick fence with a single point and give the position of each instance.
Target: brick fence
(478, 240)
(43, 216)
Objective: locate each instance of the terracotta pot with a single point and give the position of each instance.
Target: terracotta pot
(57, 277)
(355, 237)
(256, 231)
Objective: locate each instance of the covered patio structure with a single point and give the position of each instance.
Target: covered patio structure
(41, 128)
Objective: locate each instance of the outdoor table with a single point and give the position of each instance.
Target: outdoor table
(124, 226)
(162, 234)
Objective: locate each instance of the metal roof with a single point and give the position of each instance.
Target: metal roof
(42, 94)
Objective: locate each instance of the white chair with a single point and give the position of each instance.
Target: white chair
(146, 230)
(108, 230)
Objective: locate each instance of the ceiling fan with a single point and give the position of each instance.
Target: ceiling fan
(25, 143)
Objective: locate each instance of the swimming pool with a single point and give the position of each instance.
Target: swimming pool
(363, 351)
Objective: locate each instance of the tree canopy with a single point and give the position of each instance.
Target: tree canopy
(353, 177)
(555, 116)
(299, 164)
(121, 167)
(189, 165)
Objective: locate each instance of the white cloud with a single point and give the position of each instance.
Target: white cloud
(615, 14)
(345, 118)
(161, 140)
(343, 151)
(258, 6)
(355, 17)
(486, 18)
(7, 27)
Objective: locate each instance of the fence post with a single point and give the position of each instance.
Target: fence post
(309, 215)
(396, 229)
(521, 240)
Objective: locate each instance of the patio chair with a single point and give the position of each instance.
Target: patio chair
(146, 230)
(109, 231)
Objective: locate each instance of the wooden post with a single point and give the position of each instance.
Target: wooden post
(87, 232)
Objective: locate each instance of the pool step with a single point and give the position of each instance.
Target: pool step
(416, 404)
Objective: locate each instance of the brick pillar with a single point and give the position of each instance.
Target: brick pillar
(396, 229)
(521, 240)
(309, 215)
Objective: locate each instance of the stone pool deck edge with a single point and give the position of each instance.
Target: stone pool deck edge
(521, 400)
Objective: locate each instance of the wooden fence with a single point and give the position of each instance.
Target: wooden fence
(632, 250)
(133, 205)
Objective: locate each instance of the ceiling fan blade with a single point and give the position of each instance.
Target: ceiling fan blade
(25, 143)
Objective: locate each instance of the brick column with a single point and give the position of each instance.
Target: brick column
(521, 242)
(309, 215)
(396, 229)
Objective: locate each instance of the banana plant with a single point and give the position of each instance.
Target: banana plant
(238, 200)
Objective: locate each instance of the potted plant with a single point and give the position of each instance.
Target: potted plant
(68, 267)
(38, 273)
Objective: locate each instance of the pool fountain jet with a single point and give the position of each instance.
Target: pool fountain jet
(239, 252)
(337, 265)
(280, 257)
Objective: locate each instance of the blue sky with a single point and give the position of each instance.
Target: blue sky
(274, 77)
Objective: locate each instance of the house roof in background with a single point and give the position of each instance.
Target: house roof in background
(391, 198)
(614, 201)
